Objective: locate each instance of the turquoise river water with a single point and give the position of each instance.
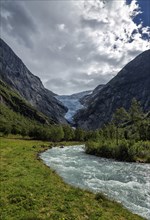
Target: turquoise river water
(127, 183)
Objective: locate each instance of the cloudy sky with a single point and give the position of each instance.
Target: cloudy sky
(75, 45)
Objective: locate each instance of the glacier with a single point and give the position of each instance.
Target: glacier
(72, 102)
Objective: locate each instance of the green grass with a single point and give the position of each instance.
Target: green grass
(32, 191)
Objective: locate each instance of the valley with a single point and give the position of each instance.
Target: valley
(112, 122)
(73, 103)
(74, 110)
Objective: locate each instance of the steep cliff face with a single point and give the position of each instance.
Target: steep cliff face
(13, 101)
(15, 73)
(132, 81)
(87, 99)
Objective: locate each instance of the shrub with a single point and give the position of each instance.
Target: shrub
(148, 159)
(91, 147)
(105, 150)
(125, 151)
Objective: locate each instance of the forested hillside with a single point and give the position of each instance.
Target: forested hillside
(18, 116)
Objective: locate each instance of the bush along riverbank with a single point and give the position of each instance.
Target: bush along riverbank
(126, 138)
(30, 190)
(126, 150)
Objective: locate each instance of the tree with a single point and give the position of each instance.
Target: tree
(110, 131)
(119, 117)
(136, 116)
(68, 133)
(79, 134)
(7, 130)
(57, 133)
(135, 111)
(24, 132)
(144, 130)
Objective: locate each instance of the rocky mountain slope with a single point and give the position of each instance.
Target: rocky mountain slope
(87, 99)
(11, 100)
(16, 74)
(132, 81)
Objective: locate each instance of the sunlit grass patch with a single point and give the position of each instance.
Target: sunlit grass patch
(30, 190)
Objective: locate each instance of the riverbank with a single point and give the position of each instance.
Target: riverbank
(30, 190)
(127, 183)
(125, 150)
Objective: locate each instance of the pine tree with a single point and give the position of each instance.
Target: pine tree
(120, 116)
(135, 111)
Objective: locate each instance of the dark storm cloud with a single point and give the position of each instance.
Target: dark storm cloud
(17, 21)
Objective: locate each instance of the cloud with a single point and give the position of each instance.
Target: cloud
(74, 45)
(78, 81)
(17, 22)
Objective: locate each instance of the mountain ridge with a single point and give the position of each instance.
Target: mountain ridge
(14, 72)
(12, 100)
(89, 97)
(131, 82)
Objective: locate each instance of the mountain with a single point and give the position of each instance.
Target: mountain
(87, 99)
(17, 116)
(132, 81)
(17, 76)
(73, 103)
(12, 100)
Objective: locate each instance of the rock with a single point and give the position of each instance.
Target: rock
(87, 99)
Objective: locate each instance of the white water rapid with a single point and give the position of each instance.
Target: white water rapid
(128, 183)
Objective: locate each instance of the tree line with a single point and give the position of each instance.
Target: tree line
(12, 122)
(126, 137)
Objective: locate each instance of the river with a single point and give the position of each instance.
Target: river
(128, 183)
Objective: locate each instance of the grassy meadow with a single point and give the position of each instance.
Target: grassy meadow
(32, 191)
